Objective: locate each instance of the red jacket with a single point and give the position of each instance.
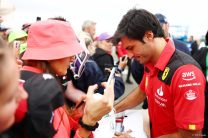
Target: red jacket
(120, 50)
(63, 124)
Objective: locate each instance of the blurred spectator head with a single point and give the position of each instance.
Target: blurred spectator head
(19, 35)
(6, 7)
(161, 18)
(25, 27)
(89, 27)
(164, 23)
(104, 41)
(4, 31)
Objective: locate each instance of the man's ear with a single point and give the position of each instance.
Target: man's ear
(148, 36)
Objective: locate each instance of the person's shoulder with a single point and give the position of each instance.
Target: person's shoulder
(179, 42)
(136, 64)
(92, 66)
(201, 53)
(180, 45)
(100, 53)
(43, 83)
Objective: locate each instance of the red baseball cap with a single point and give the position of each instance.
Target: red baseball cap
(50, 40)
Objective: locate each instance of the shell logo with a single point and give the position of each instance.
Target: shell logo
(190, 95)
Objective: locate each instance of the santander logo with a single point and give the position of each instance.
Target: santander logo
(160, 91)
(188, 76)
(190, 95)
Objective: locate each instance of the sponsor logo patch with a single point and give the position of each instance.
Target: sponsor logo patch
(190, 95)
(160, 98)
(188, 76)
(165, 73)
(160, 91)
(189, 84)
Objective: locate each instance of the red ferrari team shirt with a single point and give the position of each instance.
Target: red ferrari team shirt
(175, 89)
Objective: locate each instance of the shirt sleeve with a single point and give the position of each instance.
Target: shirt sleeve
(188, 86)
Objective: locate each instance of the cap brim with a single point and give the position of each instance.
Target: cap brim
(110, 37)
(52, 53)
(106, 38)
(3, 29)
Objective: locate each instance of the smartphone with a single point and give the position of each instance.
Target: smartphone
(124, 57)
(111, 76)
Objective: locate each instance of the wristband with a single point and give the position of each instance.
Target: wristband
(87, 127)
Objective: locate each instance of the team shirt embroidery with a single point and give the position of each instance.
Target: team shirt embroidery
(159, 99)
(188, 76)
(191, 95)
(47, 76)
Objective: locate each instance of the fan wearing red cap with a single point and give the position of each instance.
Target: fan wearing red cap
(52, 45)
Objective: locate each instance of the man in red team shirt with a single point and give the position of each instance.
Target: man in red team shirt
(172, 81)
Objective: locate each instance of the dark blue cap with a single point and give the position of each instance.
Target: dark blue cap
(161, 18)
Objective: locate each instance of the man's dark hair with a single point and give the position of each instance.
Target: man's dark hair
(135, 23)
